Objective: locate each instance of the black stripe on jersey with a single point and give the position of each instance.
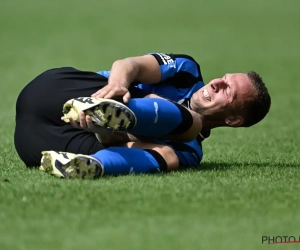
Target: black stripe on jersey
(137, 92)
(202, 136)
(182, 79)
(192, 59)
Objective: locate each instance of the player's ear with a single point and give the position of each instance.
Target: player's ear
(234, 121)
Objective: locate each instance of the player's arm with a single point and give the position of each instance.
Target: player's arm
(123, 72)
(180, 70)
(141, 68)
(168, 154)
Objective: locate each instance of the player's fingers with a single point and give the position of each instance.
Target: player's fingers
(104, 91)
(92, 127)
(126, 97)
(100, 92)
(74, 123)
(82, 120)
(89, 122)
(95, 94)
(111, 94)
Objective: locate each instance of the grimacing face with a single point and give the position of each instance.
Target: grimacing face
(222, 98)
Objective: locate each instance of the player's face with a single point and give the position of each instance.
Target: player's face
(223, 96)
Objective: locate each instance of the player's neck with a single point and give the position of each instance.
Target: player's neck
(208, 123)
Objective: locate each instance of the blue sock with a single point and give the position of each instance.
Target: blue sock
(119, 161)
(155, 116)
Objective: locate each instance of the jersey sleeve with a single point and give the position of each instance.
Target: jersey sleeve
(178, 67)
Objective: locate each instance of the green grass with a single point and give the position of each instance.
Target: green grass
(248, 184)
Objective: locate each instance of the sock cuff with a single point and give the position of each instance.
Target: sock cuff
(186, 122)
(160, 160)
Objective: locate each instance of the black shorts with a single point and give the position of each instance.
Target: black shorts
(39, 109)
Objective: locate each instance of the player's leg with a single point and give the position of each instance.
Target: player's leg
(29, 144)
(38, 112)
(39, 109)
(141, 116)
(159, 117)
(139, 158)
(46, 94)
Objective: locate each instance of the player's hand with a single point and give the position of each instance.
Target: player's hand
(85, 123)
(112, 91)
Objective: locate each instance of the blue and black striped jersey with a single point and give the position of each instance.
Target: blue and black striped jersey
(181, 77)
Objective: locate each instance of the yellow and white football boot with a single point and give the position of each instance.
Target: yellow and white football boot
(70, 166)
(105, 113)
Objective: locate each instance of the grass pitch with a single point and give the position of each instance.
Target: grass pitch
(248, 184)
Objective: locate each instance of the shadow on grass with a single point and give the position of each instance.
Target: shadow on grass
(209, 167)
(224, 166)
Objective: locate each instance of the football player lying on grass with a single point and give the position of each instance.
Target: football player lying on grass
(163, 120)
(173, 129)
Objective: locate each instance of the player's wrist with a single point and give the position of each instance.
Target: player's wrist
(119, 82)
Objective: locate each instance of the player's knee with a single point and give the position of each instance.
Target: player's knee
(30, 94)
(37, 96)
(166, 158)
(171, 159)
